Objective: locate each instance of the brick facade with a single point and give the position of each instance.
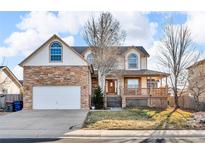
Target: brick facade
(56, 76)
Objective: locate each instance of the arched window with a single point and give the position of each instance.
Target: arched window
(90, 58)
(132, 61)
(55, 52)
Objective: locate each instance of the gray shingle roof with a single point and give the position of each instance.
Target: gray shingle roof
(81, 49)
(142, 72)
(196, 64)
(2, 67)
(145, 72)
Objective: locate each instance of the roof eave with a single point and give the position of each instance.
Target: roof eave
(9, 72)
(35, 51)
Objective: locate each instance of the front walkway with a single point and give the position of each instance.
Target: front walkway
(136, 133)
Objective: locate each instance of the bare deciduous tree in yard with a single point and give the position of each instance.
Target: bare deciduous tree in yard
(196, 86)
(104, 35)
(176, 54)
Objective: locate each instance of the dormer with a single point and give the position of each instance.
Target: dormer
(135, 59)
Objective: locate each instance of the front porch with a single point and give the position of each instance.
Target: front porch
(137, 88)
(146, 92)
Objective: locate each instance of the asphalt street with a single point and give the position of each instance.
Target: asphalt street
(105, 140)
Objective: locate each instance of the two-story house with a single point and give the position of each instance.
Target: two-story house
(59, 76)
(132, 84)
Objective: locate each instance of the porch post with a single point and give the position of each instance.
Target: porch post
(147, 91)
(166, 86)
(118, 86)
(150, 102)
(105, 86)
(149, 85)
(160, 81)
(161, 91)
(122, 92)
(105, 97)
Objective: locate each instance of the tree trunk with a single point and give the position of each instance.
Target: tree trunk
(176, 100)
(101, 82)
(197, 103)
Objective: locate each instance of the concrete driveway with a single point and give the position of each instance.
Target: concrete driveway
(40, 123)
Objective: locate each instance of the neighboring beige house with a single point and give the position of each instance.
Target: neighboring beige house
(11, 88)
(58, 76)
(9, 84)
(194, 71)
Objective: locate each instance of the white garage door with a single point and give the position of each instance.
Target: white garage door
(56, 97)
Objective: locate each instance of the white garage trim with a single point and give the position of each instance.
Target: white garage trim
(56, 97)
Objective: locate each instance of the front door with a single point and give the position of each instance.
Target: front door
(111, 86)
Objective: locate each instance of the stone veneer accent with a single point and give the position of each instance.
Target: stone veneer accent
(56, 76)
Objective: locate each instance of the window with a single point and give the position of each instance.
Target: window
(90, 58)
(55, 52)
(132, 83)
(152, 83)
(132, 61)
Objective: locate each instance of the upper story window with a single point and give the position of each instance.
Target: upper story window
(55, 52)
(132, 61)
(90, 58)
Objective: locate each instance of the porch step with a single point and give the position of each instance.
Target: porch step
(114, 101)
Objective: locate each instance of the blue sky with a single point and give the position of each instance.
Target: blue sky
(22, 32)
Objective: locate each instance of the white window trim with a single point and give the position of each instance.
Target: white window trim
(139, 60)
(51, 61)
(92, 58)
(87, 53)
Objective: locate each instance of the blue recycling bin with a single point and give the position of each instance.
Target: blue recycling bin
(17, 106)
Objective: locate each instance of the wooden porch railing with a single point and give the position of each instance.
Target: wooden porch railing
(154, 92)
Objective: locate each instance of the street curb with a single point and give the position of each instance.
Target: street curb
(142, 133)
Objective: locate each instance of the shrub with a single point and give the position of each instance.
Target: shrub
(97, 99)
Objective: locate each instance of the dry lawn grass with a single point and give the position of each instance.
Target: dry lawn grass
(138, 118)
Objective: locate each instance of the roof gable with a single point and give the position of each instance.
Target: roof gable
(10, 74)
(54, 38)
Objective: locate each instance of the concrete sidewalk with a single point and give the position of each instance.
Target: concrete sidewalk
(136, 133)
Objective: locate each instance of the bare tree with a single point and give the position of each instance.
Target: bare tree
(104, 36)
(176, 54)
(196, 85)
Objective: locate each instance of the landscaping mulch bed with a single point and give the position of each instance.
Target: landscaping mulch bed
(197, 120)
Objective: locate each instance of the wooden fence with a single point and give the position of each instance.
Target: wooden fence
(187, 102)
(9, 98)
